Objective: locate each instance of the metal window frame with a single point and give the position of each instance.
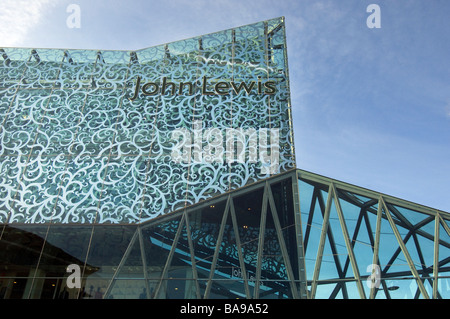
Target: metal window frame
(387, 204)
(337, 191)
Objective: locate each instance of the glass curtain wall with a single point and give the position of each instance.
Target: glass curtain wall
(295, 235)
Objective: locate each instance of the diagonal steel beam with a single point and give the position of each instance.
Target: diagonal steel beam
(218, 244)
(262, 229)
(239, 249)
(282, 244)
(144, 261)
(323, 236)
(303, 287)
(121, 263)
(436, 256)
(170, 256)
(348, 243)
(405, 251)
(193, 262)
(376, 246)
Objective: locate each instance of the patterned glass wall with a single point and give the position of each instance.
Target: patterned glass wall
(126, 136)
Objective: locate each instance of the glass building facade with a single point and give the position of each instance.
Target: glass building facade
(169, 172)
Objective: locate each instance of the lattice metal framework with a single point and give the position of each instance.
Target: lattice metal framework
(334, 240)
(350, 231)
(294, 235)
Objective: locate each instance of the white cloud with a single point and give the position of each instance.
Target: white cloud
(18, 17)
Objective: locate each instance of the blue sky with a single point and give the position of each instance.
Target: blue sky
(371, 106)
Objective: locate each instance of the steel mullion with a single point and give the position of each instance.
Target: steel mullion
(376, 246)
(144, 260)
(239, 249)
(426, 234)
(425, 269)
(262, 229)
(350, 252)
(333, 248)
(398, 250)
(321, 245)
(193, 263)
(121, 263)
(281, 242)
(436, 256)
(170, 256)
(218, 244)
(405, 252)
(403, 221)
(314, 199)
(355, 235)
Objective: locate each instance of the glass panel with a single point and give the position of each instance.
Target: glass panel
(391, 257)
(64, 246)
(101, 115)
(80, 199)
(158, 240)
(338, 249)
(421, 250)
(135, 133)
(42, 172)
(359, 230)
(180, 273)
(20, 251)
(121, 191)
(132, 266)
(13, 65)
(312, 207)
(273, 264)
(111, 69)
(108, 245)
(177, 289)
(444, 286)
(413, 217)
(282, 194)
(128, 289)
(23, 121)
(404, 288)
(324, 291)
(150, 57)
(76, 69)
(227, 289)
(248, 215)
(205, 226)
(279, 289)
(228, 258)
(444, 266)
(43, 68)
